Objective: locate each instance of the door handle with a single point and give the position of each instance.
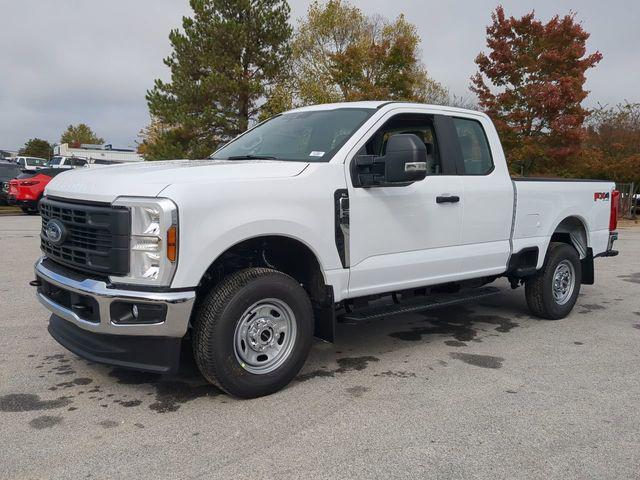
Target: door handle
(447, 199)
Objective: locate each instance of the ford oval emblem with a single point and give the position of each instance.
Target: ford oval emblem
(55, 231)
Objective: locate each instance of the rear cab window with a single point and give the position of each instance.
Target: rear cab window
(476, 154)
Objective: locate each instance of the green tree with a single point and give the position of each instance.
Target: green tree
(531, 82)
(340, 54)
(36, 147)
(80, 133)
(229, 55)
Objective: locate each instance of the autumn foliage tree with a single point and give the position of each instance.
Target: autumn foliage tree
(81, 133)
(610, 148)
(340, 54)
(531, 83)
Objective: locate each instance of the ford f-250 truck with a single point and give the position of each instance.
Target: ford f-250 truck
(356, 211)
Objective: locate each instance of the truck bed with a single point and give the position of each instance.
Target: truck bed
(542, 203)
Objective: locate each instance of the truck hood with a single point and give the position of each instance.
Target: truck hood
(148, 179)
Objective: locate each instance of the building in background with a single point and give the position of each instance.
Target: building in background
(6, 154)
(98, 154)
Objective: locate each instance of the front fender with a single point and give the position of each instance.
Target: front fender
(197, 261)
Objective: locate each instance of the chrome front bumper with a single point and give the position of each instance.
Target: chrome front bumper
(179, 305)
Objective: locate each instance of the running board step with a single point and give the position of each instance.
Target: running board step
(419, 305)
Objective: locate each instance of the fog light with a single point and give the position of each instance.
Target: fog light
(129, 313)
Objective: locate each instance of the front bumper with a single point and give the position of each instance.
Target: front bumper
(87, 319)
(30, 204)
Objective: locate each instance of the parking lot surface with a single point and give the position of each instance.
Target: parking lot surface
(480, 391)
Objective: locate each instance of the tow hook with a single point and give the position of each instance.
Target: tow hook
(35, 283)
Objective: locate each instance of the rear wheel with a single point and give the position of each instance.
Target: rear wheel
(552, 292)
(253, 331)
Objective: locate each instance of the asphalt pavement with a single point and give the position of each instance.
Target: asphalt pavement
(479, 391)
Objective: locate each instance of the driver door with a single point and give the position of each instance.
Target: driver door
(405, 236)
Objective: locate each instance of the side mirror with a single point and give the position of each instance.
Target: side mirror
(405, 159)
(404, 162)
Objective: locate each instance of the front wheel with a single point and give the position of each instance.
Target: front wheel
(552, 292)
(253, 331)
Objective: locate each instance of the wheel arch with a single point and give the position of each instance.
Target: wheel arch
(286, 254)
(572, 230)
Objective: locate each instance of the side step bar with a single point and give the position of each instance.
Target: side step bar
(419, 305)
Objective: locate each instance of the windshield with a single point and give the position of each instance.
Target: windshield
(313, 136)
(36, 162)
(55, 161)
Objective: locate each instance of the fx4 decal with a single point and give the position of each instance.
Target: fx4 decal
(604, 196)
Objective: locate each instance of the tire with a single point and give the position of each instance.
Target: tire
(253, 306)
(561, 264)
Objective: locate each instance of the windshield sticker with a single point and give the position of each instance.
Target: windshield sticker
(316, 154)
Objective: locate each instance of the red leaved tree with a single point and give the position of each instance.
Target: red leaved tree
(531, 83)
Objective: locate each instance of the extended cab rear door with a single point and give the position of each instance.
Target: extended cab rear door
(488, 193)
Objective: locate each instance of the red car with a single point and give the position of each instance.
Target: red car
(27, 190)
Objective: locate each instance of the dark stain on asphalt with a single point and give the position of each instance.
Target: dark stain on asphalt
(345, 364)
(169, 394)
(73, 383)
(483, 361)
(108, 423)
(455, 343)
(397, 374)
(45, 421)
(128, 403)
(28, 402)
(636, 325)
(578, 343)
(457, 322)
(632, 278)
(591, 307)
(357, 391)
(315, 374)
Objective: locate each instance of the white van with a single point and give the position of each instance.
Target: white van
(31, 163)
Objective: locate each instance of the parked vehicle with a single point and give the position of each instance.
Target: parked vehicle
(27, 189)
(303, 220)
(67, 162)
(8, 171)
(31, 164)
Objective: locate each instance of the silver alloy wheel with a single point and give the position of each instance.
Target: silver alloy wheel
(265, 336)
(564, 281)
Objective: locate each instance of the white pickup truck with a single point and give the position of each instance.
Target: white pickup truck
(355, 210)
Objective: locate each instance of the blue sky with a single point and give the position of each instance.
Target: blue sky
(91, 61)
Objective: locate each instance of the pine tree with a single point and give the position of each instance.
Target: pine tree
(228, 55)
(36, 147)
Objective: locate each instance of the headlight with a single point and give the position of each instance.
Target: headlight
(154, 240)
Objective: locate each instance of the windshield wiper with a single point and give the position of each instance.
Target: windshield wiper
(252, 157)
